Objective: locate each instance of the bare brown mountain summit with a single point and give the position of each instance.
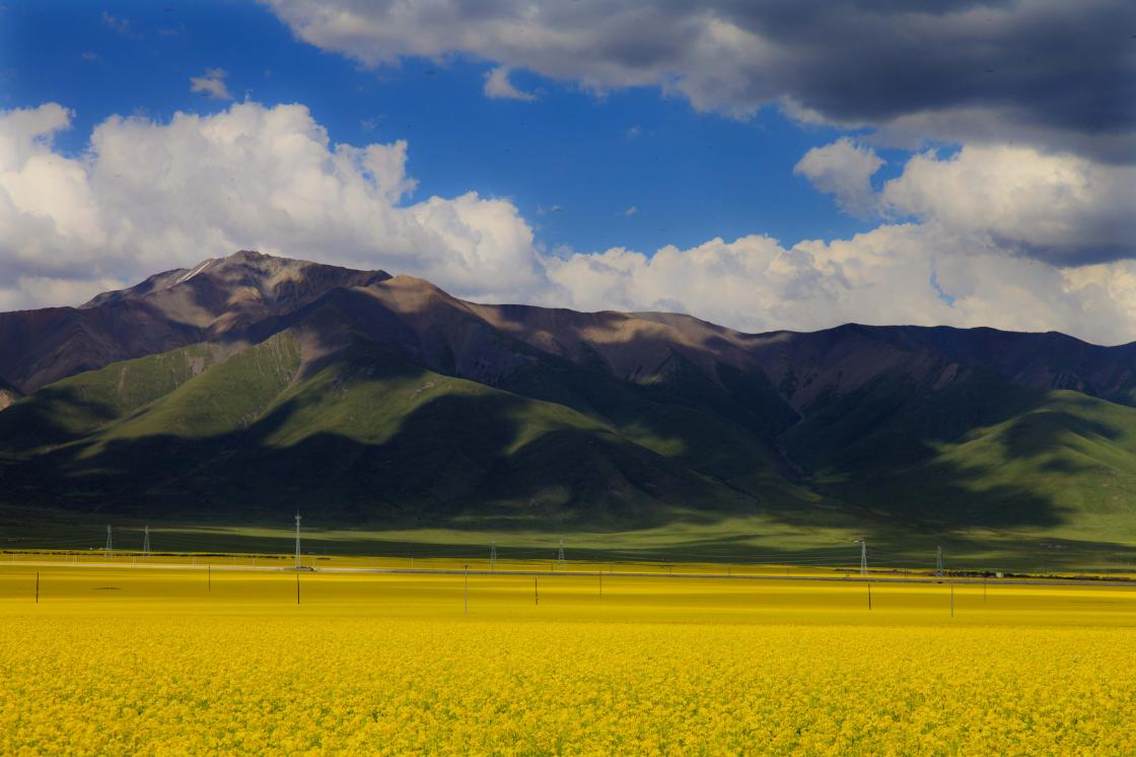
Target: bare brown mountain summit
(248, 295)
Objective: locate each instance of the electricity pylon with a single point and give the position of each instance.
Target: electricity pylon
(863, 557)
(560, 553)
(493, 556)
(297, 541)
(110, 541)
(939, 562)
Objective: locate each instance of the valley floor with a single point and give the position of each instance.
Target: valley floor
(150, 659)
(691, 539)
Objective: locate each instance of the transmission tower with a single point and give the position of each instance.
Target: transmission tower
(493, 556)
(560, 553)
(863, 557)
(939, 562)
(297, 541)
(146, 541)
(110, 541)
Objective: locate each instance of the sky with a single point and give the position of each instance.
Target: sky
(764, 165)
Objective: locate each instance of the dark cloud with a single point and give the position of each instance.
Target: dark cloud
(1061, 74)
(1069, 65)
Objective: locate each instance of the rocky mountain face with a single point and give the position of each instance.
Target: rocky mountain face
(8, 394)
(215, 300)
(249, 295)
(252, 381)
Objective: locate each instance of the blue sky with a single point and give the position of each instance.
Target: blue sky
(761, 165)
(574, 162)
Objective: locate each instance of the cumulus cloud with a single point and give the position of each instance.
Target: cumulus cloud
(147, 196)
(843, 169)
(211, 83)
(1052, 74)
(894, 274)
(1060, 207)
(498, 86)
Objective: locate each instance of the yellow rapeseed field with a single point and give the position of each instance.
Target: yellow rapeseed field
(179, 661)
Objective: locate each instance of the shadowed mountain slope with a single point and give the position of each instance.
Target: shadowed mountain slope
(251, 383)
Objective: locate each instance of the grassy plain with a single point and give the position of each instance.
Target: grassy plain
(176, 660)
(753, 539)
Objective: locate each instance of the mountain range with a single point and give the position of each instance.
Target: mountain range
(251, 385)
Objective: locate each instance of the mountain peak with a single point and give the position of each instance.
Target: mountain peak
(218, 293)
(250, 255)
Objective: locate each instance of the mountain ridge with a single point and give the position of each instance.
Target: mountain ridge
(419, 405)
(212, 317)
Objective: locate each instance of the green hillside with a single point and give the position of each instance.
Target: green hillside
(364, 438)
(1064, 466)
(367, 435)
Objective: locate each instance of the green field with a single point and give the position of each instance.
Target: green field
(741, 542)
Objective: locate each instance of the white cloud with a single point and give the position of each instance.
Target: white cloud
(843, 169)
(498, 86)
(148, 196)
(211, 83)
(890, 275)
(117, 24)
(1060, 207)
(630, 211)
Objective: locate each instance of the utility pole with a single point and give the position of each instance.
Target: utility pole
(939, 562)
(869, 595)
(146, 541)
(297, 553)
(863, 557)
(37, 587)
(560, 554)
(536, 591)
(110, 541)
(467, 589)
(493, 556)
